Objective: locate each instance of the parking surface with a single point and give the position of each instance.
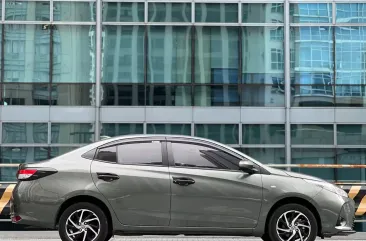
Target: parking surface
(53, 236)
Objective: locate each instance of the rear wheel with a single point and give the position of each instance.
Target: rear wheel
(83, 222)
(292, 222)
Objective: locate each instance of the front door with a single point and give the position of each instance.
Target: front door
(208, 189)
(134, 177)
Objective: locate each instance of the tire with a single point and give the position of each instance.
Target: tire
(305, 217)
(91, 212)
(265, 237)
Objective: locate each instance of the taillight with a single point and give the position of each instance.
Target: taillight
(33, 173)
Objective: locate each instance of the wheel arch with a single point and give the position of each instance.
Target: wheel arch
(296, 200)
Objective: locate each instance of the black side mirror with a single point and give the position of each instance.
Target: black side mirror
(247, 166)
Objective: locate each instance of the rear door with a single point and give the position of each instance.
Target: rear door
(134, 177)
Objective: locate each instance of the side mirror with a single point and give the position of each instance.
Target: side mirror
(247, 166)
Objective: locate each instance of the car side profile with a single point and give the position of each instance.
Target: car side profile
(167, 184)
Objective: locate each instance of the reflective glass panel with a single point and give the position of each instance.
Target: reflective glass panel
(169, 12)
(311, 12)
(351, 12)
(263, 134)
(171, 129)
(24, 132)
(73, 94)
(314, 156)
(67, 133)
(350, 95)
(351, 156)
(74, 11)
(25, 94)
(263, 55)
(123, 12)
(354, 134)
(114, 94)
(123, 54)
(57, 151)
(169, 95)
(19, 155)
(262, 12)
(119, 129)
(216, 12)
(312, 134)
(26, 53)
(27, 11)
(216, 55)
(216, 95)
(263, 95)
(266, 155)
(73, 54)
(312, 95)
(224, 133)
(169, 54)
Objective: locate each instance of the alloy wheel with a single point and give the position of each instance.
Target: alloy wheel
(82, 225)
(293, 226)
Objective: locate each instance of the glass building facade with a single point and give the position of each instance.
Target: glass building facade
(282, 81)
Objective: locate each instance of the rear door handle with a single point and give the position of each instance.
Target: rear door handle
(183, 181)
(108, 177)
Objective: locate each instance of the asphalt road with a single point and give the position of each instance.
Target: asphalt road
(53, 236)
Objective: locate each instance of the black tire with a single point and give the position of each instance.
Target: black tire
(310, 221)
(103, 221)
(265, 237)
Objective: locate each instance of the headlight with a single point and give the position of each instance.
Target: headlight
(329, 187)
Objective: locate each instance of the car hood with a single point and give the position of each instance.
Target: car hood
(293, 174)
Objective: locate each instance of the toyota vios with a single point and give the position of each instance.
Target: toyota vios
(165, 184)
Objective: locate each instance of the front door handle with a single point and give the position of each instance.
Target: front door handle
(183, 181)
(108, 177)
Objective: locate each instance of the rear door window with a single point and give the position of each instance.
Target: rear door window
(141, 153)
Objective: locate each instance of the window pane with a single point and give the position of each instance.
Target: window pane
(266, 155)
(116, 129)
(26, 53)
(351, 134)
(123, 12)
(174, 129)
(72, 133)
(311, 12)
(312, 134)
(107, 154)
(58, 151)
(123, 54)
(262, 12)
(263, 134)
(351, 13)
(24, 133)
(349, 157)
(73, 94)
(216, 12)
(27, 10)
(124, 95)
(74, 11)
(350, 95)
(189, 155)
(169, 12)
(170, 95)
(216, 55)
(314, 156)
(26, 94)
(224, 133)
(73, 51)
(312, 95)
(219, 95)
(263, 46)
(169, 54)
(262, 95)
(130, 154)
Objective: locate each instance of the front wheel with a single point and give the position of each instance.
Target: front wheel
(83, 222)
(292, 222)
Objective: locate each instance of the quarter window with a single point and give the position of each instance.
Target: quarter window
(143, 153)
(107, 154)
(192, 155)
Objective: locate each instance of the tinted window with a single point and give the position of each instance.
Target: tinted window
(146, 153)
(107, 154)
(191, 155)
